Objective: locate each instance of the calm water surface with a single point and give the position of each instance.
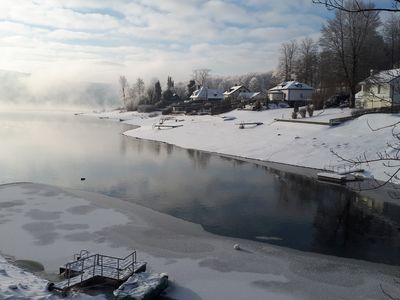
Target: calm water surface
(226, 196)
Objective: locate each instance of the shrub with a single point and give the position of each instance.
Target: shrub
(310, 109)
(302, 112)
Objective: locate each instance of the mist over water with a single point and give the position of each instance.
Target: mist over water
(47, 91)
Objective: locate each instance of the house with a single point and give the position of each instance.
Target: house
(291, 91)
(379, 90)
(206, 94)
(240, 92)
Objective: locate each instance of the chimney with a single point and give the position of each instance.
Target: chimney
(371, 72)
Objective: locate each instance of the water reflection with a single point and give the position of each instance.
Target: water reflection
(224, 195)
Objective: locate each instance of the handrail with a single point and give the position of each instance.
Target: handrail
(90, 262)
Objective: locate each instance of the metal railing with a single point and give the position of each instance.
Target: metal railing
(89, 266)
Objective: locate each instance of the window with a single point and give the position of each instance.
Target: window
(379, 88)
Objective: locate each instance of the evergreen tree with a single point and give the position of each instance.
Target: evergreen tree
(191, 87)
(170, 83)
(157, 92)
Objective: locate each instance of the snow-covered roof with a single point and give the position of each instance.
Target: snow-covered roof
(234, 89)
(385, 76)
(207, 94)
(249, 95)
(291, 85)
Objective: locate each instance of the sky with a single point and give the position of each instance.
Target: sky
(98, 40)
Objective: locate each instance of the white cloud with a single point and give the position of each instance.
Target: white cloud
(104, 38)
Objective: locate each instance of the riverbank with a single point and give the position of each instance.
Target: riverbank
(297, 144)
(49, 224)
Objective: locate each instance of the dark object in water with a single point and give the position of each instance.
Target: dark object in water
(83, 178)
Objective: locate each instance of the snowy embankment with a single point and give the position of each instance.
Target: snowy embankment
(47, 225)
(307, 145)
(18, 284)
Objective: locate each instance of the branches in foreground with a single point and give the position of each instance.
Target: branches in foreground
(357, 8)
(389, 157)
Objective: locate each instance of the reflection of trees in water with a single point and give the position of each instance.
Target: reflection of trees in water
(236, 162)
(294, 190)
(200, 158)
(140, 145)
(154, 147)
(170, 149)
(123, 145)
(355, 226)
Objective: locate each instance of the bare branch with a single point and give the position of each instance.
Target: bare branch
(339, 5)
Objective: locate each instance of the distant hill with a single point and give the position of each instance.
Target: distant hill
(23, 88)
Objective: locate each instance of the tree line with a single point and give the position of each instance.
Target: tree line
(352, 44)
(138, 93)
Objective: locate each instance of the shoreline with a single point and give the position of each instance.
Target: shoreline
(308, 172)
(294, 144)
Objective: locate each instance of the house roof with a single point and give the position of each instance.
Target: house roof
(385, 76)
(234, 89)
(205, 93)
(249, 95)
(290, 85)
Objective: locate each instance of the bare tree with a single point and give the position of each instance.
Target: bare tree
(201, 76)
(150, 92)
(307, 61)
(123, 82)
(170, 83)
(391, 36)
(132, 100)
(287, 59)
(358, 7)
(345, 37)
(254, 84)
(140, 88)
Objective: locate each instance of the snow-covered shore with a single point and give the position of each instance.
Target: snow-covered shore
(48, 224)
(299, 144)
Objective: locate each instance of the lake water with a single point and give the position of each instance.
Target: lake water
(225, 196)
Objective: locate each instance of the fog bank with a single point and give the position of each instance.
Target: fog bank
(47, 91)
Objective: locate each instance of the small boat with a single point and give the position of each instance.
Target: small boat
(142, 286)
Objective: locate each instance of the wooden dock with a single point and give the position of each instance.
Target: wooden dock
(96, 268)
(243, 124)
(304, 121)
(159, 126)
(331, 177)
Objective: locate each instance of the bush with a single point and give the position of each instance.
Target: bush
(294, 115)
(310, 110)
(302, 112)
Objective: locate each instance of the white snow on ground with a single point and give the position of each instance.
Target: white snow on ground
(48, 224)
(18, 284)
(306, 145)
